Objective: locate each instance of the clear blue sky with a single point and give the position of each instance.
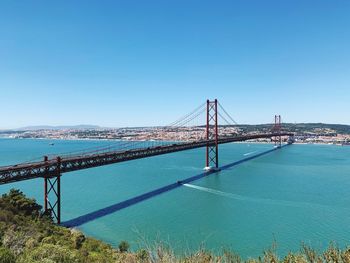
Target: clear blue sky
(131, 63)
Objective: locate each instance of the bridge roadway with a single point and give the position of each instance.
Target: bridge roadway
(52, 167)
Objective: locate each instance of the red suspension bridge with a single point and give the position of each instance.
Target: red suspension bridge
(51, 169)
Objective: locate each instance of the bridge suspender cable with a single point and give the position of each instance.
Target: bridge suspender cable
(188, 117)
(228, 115)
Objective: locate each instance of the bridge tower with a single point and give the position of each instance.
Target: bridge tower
(52, 189)
(277, 129)
(212, 149)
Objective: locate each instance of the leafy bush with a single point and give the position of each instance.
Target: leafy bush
(142, 255)
(78, 239)
(123, 246)
(27, 235)
(50, 253)
(6, 256)
(16, 201)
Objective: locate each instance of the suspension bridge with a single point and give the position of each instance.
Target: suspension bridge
(209, 135)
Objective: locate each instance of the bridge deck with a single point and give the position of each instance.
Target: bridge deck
(50, 168)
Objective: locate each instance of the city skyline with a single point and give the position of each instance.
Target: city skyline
(123, 64)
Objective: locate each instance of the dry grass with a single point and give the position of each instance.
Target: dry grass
(162, 254)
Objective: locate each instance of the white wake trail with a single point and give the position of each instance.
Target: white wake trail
(213, 191)
(257, 200)
(249, 153)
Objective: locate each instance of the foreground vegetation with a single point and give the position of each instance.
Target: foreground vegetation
(28, 235)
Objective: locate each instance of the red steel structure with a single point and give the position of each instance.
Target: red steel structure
(52, 169)
(277, 128)
(52, 184)
(212, 150)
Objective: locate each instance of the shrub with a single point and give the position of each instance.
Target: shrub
(17, 202)
(50, 253)
(6, 256)
(123, 246)
(78, 239)
(142, 255)
(15, 241)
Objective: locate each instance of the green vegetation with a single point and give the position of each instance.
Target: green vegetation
(27, 236)
(123, 246)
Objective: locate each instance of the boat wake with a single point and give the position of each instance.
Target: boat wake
(257, 200)
(246, 154)
(216, 192)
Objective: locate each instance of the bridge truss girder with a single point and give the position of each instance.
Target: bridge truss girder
(48, 169)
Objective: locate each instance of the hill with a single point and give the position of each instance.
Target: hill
(64, 127)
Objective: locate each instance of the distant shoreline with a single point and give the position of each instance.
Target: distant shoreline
(115, 140)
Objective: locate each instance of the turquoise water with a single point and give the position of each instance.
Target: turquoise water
(298, 194)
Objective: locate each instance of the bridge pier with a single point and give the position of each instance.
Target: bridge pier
(52, 188)
(212, 150)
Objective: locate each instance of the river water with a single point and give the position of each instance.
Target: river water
(300, 193)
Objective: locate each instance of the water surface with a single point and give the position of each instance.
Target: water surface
(297, 194)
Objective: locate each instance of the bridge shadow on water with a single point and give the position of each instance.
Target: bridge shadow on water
(78, 221)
